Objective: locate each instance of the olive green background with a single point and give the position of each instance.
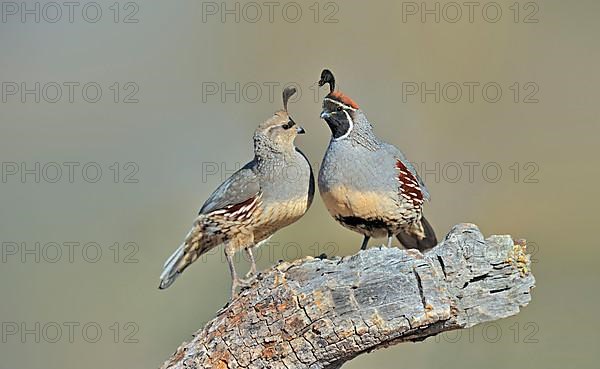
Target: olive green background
(175, 133)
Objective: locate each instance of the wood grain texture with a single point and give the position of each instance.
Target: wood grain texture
(320, 313)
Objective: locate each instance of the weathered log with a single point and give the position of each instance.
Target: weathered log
(320, 313)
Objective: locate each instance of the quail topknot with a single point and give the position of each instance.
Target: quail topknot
(368, 185)
(255, 202)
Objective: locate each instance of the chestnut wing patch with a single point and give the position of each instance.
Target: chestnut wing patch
(240, 211)
(410, 190)
(237, 192)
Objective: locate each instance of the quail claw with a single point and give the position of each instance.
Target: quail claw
(234, 294)
(237, 282)
(252, 270)
(248, 280)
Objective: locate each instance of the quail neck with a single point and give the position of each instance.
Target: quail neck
(282, 170)
(265, 148)
(347, 121)
(362, 132)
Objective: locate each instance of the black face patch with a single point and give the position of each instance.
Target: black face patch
(338, 125)
(338, 121)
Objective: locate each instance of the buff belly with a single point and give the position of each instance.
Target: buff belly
(370, 213)
(277, 216)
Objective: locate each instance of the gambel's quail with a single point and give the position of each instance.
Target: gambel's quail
(272, 191)
(367, 184)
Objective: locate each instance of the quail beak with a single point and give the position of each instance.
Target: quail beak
(321, 83)
(325, 115)
(300, 130)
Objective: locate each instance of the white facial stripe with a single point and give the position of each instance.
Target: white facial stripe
(350, 127)
(340, 104)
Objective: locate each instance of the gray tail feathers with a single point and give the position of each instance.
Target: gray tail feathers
(421, 236)
(170, 269)
(195, 244)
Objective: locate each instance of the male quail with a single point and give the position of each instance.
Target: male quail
(367, 184)
(272, 191)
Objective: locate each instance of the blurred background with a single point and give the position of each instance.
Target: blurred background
(118, 119)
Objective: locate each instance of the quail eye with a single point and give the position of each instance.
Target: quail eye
(288, 125)
(339, 108)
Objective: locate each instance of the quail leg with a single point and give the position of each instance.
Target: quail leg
(251, 275)
(390, 237)
(234, 277)
(365, 243)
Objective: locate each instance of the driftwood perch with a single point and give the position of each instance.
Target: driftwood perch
(321, 313)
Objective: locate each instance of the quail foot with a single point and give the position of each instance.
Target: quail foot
(368, 185)
(254, 202)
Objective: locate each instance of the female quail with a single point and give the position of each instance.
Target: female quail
(367, 184)
(272, 191)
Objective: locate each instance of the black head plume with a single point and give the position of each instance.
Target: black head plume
(287, 93)
(327, 77)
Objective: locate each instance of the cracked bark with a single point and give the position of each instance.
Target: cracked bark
(320, 313)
